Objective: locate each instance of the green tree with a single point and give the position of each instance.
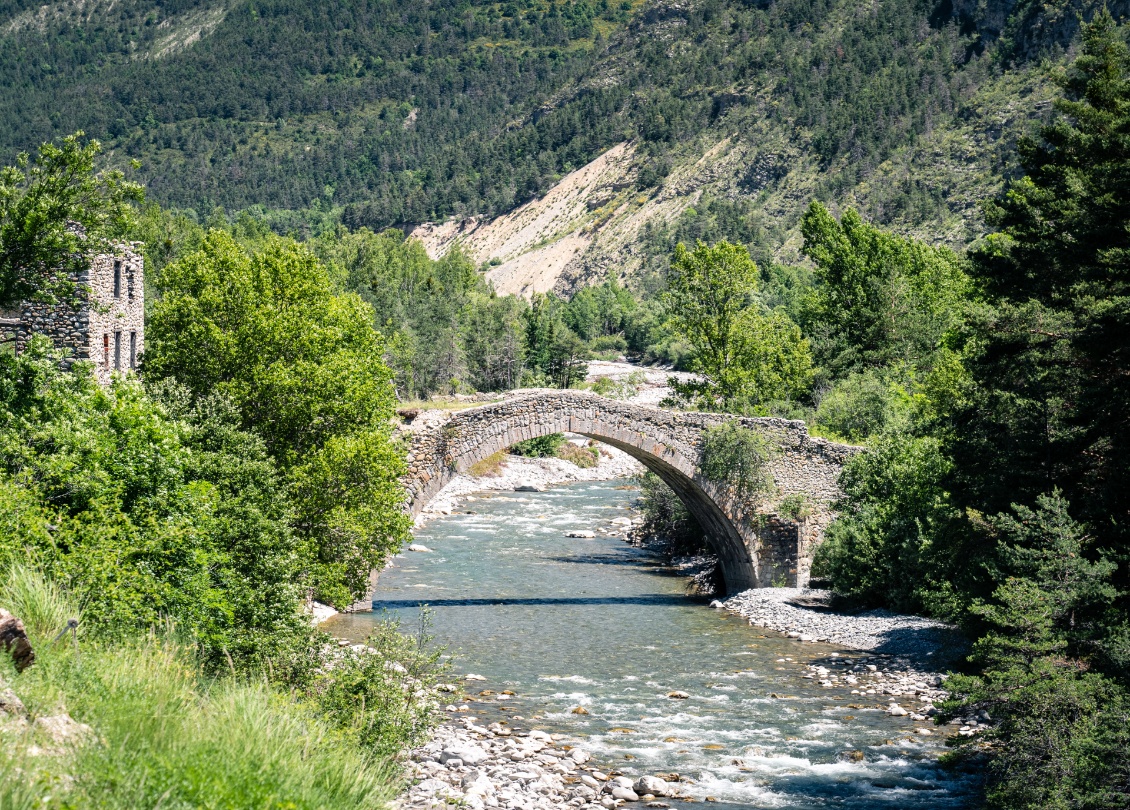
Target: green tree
(895, 542)
(303, 367)
(738, 457)
(148, 513)
(879, 298)
(492, 341)
(746, 359)
(1061, 735)
(1053, 371)
(55, 211)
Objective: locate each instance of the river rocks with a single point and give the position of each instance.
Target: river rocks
(318, 612)
(10, 703)
(528, 488)
(650, 784)
(580, 534)
(621, 792)
(896, 710)
(677, 695)
(580, 756)
(466, 754)
(546, 775)
(419, 547)
(913, 637)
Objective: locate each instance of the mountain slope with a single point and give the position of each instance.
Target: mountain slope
(730, 115)
(289, 104)
(765, 148)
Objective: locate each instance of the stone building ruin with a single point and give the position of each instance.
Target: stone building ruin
(103, 323)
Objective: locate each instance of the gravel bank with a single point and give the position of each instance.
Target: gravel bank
(494, 767)
(538, 473)
(803, 613)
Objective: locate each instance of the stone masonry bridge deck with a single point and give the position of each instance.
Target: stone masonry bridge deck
(756, 545)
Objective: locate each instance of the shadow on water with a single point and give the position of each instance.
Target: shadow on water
(639, 599)
(609, 559)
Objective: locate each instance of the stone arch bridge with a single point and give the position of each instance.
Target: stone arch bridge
(756, 545)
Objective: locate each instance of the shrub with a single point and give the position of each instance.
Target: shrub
(489, 467)
(894, 541)
(540, 447)
(609, 343)
(383, 696)
(619, 389)
(737, 456)
(666, 518)
(584, 457)
(862, 405)
(797, 506)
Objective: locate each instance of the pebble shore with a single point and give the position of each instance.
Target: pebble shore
(805, 614)
(494, 767)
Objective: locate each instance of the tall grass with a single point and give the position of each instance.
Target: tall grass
(42, 605)
(22, 786)
(166, 737)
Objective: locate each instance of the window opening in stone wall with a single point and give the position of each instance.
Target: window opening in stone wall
(117, 279)
(118, 350)
(106, 349)
(129, 283)
(133, 349)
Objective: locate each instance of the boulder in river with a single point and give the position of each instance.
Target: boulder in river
(528, 488)
(627, 794)
(581, 534)
(650, 784)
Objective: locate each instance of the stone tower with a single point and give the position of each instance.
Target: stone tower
(104, 323)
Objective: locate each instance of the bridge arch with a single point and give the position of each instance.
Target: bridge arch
(755, 545)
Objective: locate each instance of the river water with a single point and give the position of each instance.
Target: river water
(596, 624)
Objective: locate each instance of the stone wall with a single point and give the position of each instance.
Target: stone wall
(756, 546)
(105, 321)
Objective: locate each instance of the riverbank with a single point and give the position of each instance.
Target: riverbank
(487, 767)
(518, 473)
(809, 615)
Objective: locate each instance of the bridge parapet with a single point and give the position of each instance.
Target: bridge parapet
(756, 545)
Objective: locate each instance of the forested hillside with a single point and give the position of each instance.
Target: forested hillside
(288, 104)
(395, 113)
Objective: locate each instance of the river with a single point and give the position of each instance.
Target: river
(595, 624)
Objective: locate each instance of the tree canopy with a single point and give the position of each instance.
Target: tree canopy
(303, 367)
(57, 210)
(746, 357)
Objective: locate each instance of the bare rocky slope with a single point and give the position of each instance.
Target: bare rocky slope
(952, 145)
(597, 220)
